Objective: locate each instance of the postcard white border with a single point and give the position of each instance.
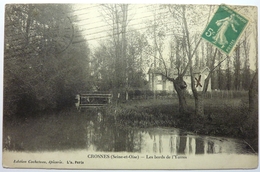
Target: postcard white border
(2, 5)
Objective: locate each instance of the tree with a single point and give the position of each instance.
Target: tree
(103, 66)
(136, 45)
(157, 30)
(43, 67)
(123, 52)
(237, 68)
(253, 105)
(246, 76)
(228, 75)
(187, 22)
(184, 48)
(182, 14)
(116, 16)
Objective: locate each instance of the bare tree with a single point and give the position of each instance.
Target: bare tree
(184, 48)
(116, 16)
(157, 33)
(181, 12)
(190, 50)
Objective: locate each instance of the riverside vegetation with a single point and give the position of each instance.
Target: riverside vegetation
(51, 130)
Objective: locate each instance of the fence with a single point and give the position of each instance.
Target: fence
(92, 99)
(227, 94)
(148, 94)
(141, 94)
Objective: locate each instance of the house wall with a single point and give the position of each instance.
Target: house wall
(160, 84)
(168, 85)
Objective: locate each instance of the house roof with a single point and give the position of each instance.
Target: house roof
(202, 70)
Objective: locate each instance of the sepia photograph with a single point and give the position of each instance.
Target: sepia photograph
(130, 86)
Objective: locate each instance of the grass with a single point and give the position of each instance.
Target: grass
(228, 117)
(70, 129)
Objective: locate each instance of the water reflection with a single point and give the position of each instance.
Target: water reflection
(101, 133)
(102, 136)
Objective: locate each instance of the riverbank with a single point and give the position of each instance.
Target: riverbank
(223, 117)
(69, 128)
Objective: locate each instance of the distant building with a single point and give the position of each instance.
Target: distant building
(157, 82)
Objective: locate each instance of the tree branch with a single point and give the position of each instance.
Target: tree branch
(206, 82)
(165, 68)
(161, 58)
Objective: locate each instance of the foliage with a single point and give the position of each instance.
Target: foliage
(43, 68)
(119, 62)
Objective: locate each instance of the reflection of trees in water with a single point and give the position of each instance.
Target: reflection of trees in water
(120, 138)
(104, 135)
(160, 144)
(174, 144)
(154, 145)
(127, 140)
(187, 144)
(89, 136)
(199, 146)
(138, 142)
(211, 147)
(193, 146)
(182, 145)
(190, 145)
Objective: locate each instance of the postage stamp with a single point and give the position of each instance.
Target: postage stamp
(225, 28)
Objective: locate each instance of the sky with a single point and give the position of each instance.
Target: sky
(92, 23)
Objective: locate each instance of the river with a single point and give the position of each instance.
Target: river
(107, 138)
(99, 143)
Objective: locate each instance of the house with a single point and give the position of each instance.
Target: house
(157, 82)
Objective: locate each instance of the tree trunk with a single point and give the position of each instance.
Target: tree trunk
(253, 93)
(253, 103)
(199, 105)
(180, 85)
(198, 97)
(124, 9)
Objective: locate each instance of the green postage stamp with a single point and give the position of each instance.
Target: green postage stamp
(225, 28)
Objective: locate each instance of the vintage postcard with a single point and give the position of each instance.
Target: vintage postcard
(130, 86)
